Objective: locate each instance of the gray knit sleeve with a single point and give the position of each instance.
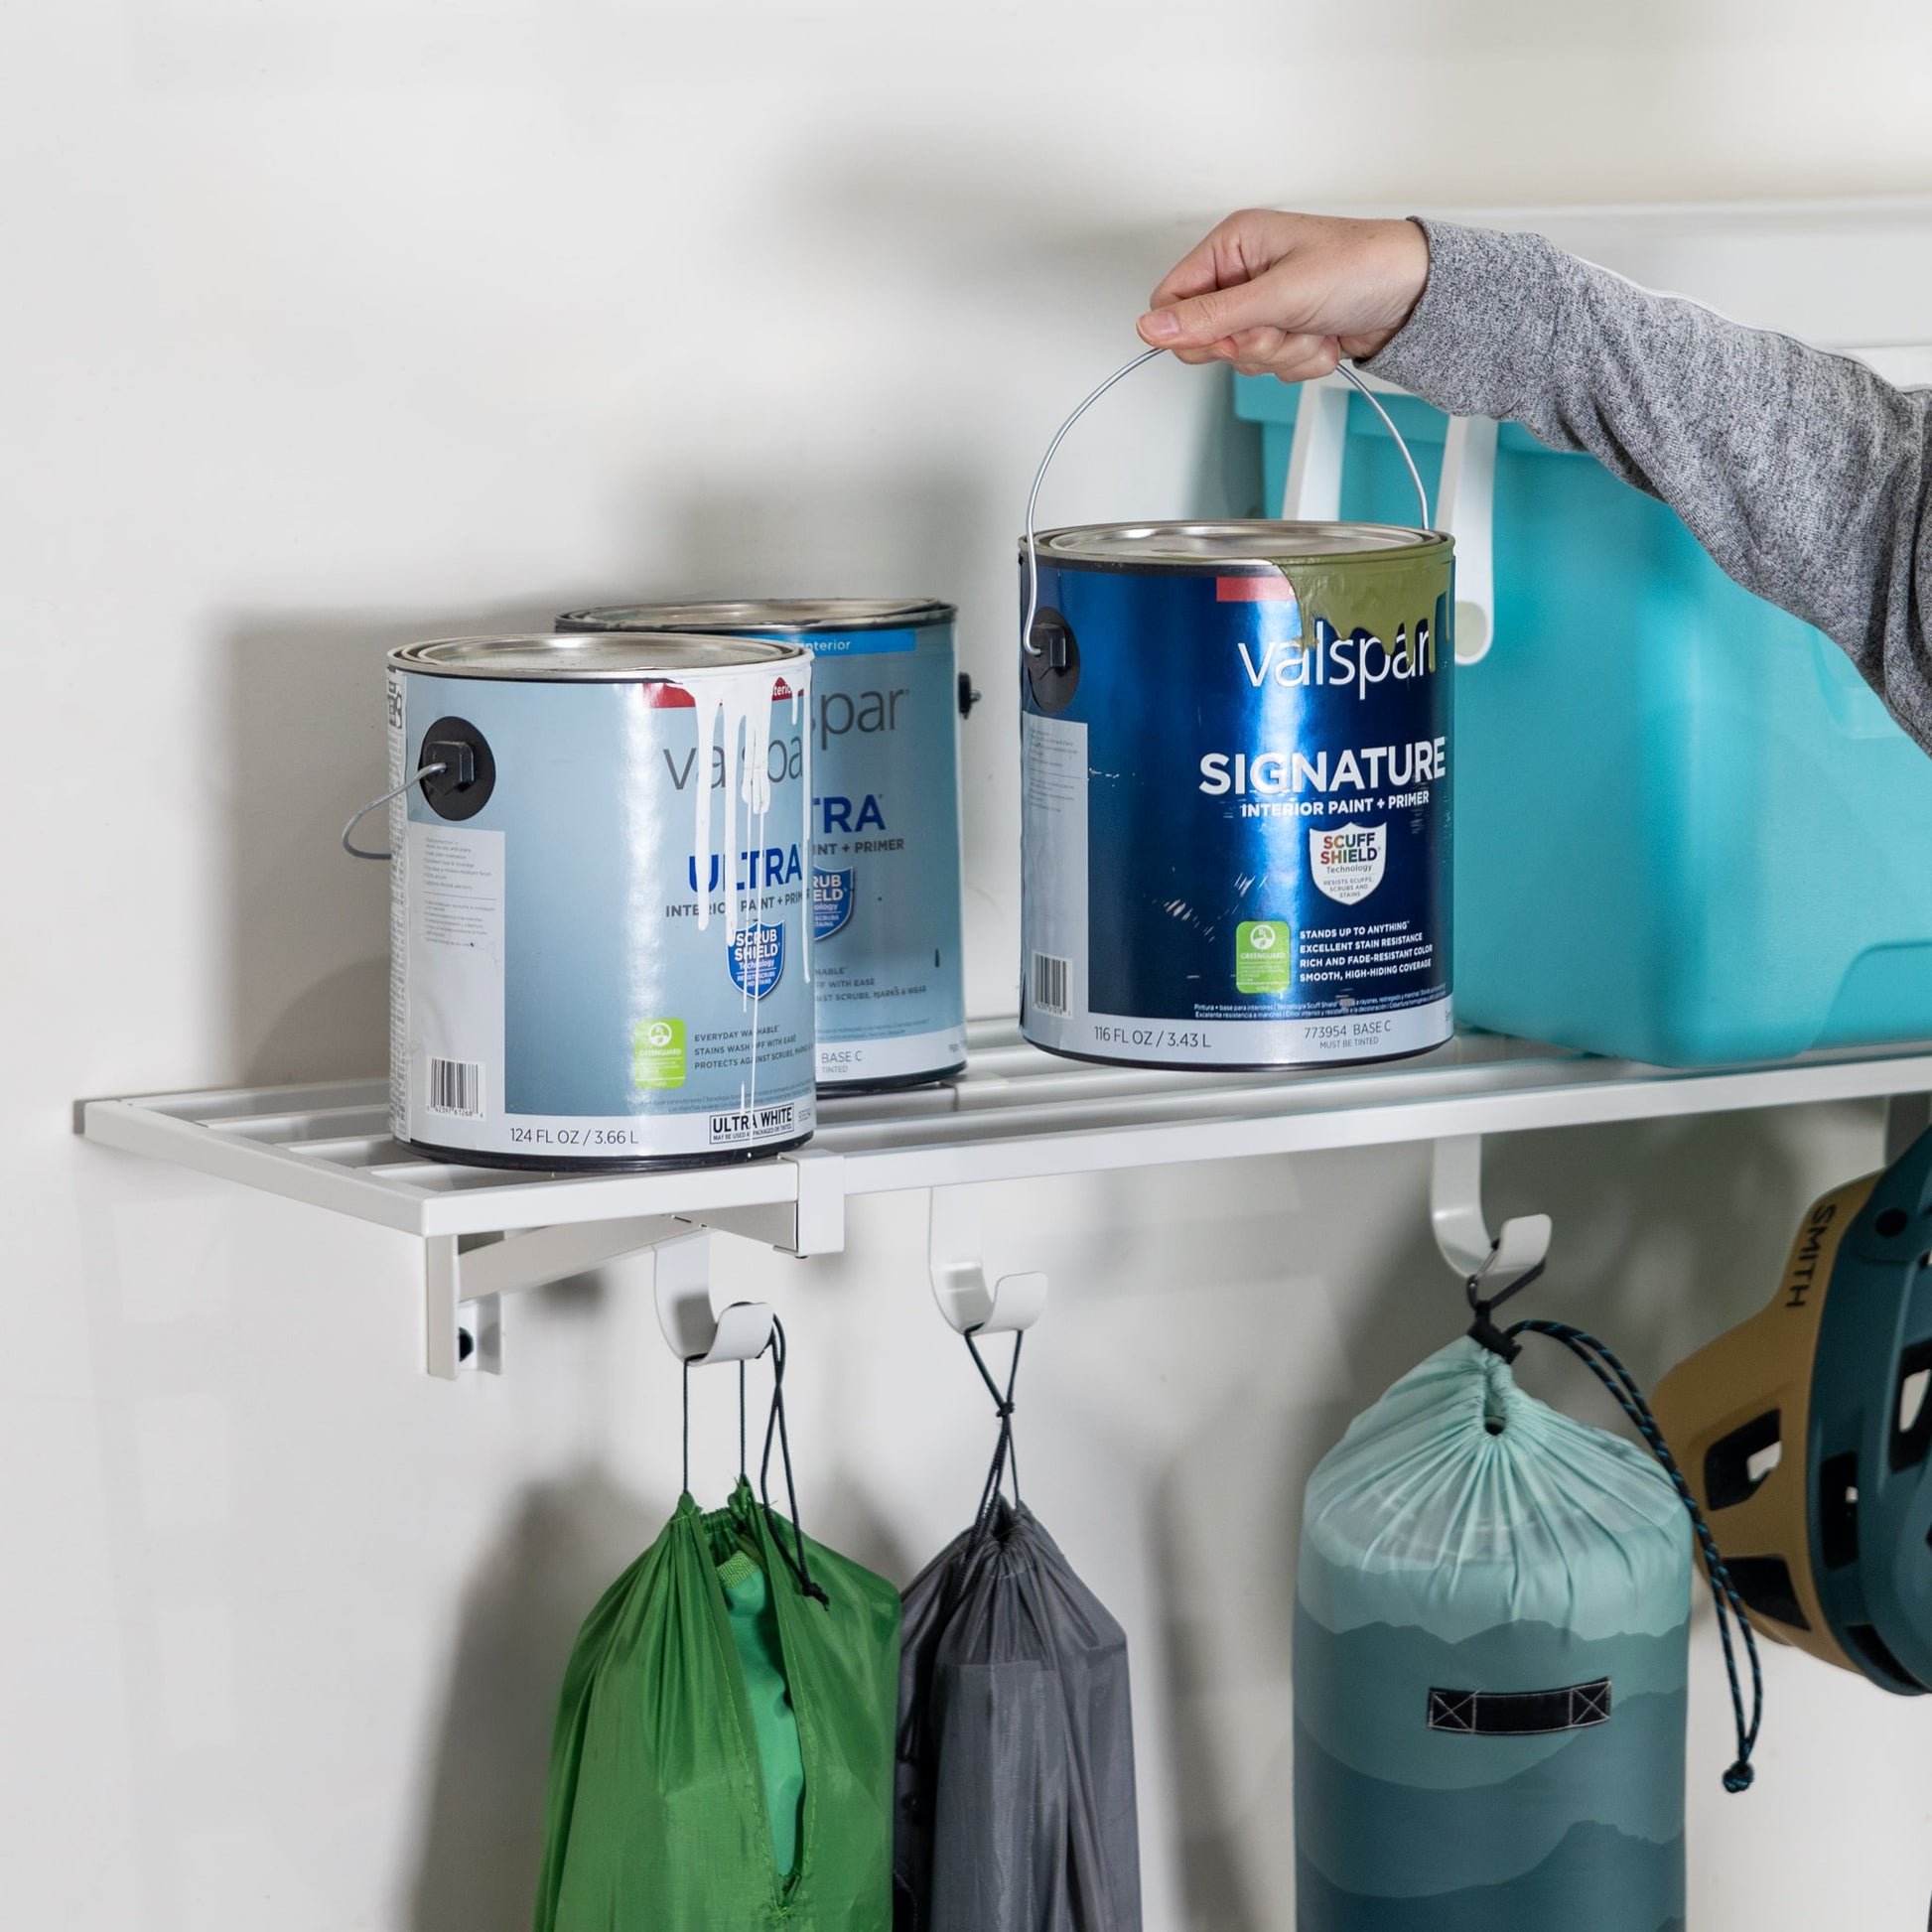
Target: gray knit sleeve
(1802, 473)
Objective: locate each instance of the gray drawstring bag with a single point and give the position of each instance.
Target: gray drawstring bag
(1014, 1782)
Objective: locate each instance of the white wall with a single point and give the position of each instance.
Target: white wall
(335, 322)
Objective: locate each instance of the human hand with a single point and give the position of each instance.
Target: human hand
(1289, 295)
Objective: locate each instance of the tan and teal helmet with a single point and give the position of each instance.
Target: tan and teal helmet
(1804, 1432)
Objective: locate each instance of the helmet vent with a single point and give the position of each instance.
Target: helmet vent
(1913, 1434)
(1764, 1583)
(1736, 1463)
(1879, 1658)
(1837, 1509)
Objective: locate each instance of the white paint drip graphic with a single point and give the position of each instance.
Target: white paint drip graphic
(741, 702)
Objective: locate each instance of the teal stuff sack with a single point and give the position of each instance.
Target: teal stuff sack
(1490, 1647)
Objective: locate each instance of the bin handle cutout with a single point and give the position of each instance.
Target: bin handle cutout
(1466, 499)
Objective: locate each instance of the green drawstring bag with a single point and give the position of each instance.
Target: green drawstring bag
(724, 1749)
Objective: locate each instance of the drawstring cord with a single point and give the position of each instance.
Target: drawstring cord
(1603, 1363)
(775, 1425)
(687, 1424)
(1006, 1454)
(777, 1345)
(1005, 1465)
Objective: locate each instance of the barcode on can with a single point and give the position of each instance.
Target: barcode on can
(456, 1087)
(1049, 983)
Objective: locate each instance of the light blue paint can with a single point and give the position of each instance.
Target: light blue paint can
(885, 821)
(601, 899)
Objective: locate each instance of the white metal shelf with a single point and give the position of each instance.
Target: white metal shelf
(1013, 1113)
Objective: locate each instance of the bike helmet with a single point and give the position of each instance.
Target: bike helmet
(1804, 1432)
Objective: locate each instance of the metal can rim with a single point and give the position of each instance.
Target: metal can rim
(1256, 546)
(629, 657)
(739, 617)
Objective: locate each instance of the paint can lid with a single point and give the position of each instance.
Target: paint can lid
(1250, 543)
(757, 615)
(596, 658)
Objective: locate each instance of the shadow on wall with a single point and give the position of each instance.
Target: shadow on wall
(917, 532)
(307, 989)
(1666, 1233)
(482, 1832)
(877, 534)
(308, 927)
(1225, 1652)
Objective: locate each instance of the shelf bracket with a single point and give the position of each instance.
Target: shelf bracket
(1461, 1228)
(466, 1276)
(968, 1300)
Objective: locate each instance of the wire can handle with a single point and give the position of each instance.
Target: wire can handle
(349, 845)
(1059, 435)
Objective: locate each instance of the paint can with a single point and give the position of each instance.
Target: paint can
(600, 900)
(1235, 808)
(884, 823)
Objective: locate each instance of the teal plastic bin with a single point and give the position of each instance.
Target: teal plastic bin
(1686, 831)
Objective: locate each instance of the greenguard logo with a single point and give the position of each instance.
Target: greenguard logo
(1264, 956)
(658, 1053)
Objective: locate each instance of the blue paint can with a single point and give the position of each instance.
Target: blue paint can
(1237, 794)
(601, 900)
(885, 821)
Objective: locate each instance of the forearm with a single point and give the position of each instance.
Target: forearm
(1802, 473)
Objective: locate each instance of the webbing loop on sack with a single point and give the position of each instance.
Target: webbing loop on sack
(1483, 1328)
(1602, 1362)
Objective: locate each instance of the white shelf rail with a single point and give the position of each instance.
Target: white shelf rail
(1014, 1113)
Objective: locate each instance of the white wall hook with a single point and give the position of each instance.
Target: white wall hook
(1461, 1229)
(698, 1333)
(1465, 501)
(966, 1297)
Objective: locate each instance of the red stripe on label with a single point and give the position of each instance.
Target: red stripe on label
(1253, 590)
(674, 697)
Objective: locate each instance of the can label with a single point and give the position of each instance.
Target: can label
(1235, 836)
(884, 854)
(608, 961)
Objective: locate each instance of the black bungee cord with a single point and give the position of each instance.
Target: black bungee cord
(1604, 1363)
